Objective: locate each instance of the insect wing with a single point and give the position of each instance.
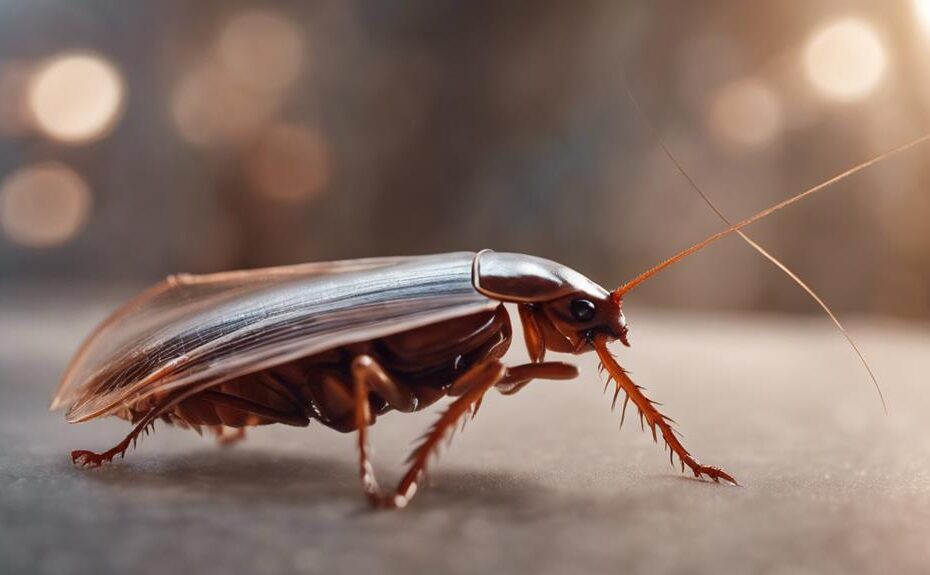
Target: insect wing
(191, 330)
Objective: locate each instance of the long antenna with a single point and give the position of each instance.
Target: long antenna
(778, 263)
(619, 292)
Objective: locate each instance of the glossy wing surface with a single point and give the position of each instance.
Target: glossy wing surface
(198, 330)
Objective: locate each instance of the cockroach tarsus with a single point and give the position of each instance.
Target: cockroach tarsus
(344, 342)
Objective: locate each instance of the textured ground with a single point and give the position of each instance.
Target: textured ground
(540, 483)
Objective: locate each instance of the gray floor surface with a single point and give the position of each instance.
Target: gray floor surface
(541, 482)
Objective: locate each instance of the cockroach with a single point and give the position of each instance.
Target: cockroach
(344, 342)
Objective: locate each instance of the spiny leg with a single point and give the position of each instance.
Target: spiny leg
(368, 376)
(653, 418)
(476, 382)
(87, 458)
(470, 389)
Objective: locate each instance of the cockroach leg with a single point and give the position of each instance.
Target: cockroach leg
(535, 345)
(368, 376)
(395, 393)
(477, 381)
(649, 413)
(87, 458)
(470, 389)
(520, 376)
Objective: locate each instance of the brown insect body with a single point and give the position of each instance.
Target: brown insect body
(320, 387)
(422, 328)
(343, 342)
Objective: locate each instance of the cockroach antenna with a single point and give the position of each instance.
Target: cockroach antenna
(622, 290)
(737, 228)
(752, 243)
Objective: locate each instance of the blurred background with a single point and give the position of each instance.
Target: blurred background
(140, 139)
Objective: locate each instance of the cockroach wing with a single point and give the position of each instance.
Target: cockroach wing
(195, 331)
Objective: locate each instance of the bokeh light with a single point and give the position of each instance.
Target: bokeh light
(746, 112)
(845, 60)
(922, 12)
(43, 204)
(76, 97)
(261, 49)
(210, 108)
(291, 164)
(235, 91)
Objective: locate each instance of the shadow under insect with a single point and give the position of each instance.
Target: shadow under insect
(252, 477)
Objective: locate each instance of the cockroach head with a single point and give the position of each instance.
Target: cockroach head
(565, 308)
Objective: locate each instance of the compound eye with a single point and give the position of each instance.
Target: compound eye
(582, 309)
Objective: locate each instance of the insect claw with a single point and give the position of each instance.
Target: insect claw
(719, 474)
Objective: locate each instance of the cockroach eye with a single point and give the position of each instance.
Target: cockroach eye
(582, 309)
